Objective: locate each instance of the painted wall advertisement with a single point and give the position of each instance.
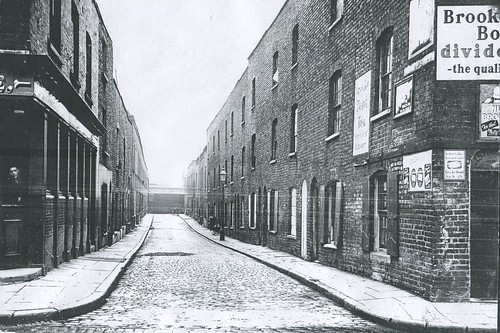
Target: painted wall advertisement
(454, 165)
(361, 138)
(489, 119)
(417, 171)
(468, 43)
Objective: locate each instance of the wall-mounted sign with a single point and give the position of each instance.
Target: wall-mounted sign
(421, 32)
(489, 118)
(454, 165)
(361, 138)
(417, 171)
(468, 43)
(15, 84)
(404, 97)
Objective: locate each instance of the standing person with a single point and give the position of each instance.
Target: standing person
(13, 187)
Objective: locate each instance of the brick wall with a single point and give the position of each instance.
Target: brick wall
(433, 257)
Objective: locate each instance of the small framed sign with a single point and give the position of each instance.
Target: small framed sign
(404, 97)
(454, 165)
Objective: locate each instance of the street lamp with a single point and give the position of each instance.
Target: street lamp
(223, 176)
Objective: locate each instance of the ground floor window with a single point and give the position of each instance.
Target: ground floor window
(333, 213)
(380, 212)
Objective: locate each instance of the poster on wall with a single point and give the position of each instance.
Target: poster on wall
(474, 52)
(454, 165)
(489, 118)
(361, 137)
(404, 97)
(417, 171)
(421, 30)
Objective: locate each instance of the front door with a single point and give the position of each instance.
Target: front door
(484, 221)
(303, 229)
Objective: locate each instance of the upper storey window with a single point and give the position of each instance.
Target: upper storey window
(275, 69)
(295, 44)
(385, 61)
(88, 81)
(336, 10)
(55, 24)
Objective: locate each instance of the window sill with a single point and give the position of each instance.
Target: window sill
(294, 66)
(242, 123)
(272, 231)
(330, 246)
(252, 169)
(291, 237)
(272, 161)
(231, 135)
(335, 23)
(274, 86)
(242, 227)
(380, 115)
(380, 256)
(252, 228)
(231, 183)
(292, 154)
(333, 136)
(242, 178)
(253, 107)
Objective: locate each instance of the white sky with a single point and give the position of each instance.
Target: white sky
(176, 63)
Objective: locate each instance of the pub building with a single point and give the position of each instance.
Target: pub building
(49, 139)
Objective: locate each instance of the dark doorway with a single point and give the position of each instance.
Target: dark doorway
(484, 221)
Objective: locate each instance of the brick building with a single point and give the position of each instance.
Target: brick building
(59, 110)
(343, 144)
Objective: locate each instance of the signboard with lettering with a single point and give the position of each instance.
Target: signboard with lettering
(15, 83)
(417, 171)
(468, 43)
(489, 118)
(361, 137)
(454, 165)
(421, 26)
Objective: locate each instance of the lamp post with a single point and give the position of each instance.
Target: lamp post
(222, 176)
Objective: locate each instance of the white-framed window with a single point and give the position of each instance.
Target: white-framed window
(335, 102)
(275, 77)
(274, 139)
(384, 70)
(273, 210)
(380, 212)
(333, 216)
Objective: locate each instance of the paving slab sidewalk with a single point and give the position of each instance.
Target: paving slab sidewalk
(75, 287)
(374, 300)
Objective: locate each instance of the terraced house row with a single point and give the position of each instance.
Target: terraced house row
(364, 135)
(73, 177)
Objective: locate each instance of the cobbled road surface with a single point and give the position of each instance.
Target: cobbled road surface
(181, 282)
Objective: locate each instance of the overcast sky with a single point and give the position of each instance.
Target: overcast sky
(176, 63)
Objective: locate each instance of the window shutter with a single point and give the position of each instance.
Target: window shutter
(392, 214)
(338, 214)
(365, 216)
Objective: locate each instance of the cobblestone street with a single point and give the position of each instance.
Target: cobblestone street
(181, 282)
